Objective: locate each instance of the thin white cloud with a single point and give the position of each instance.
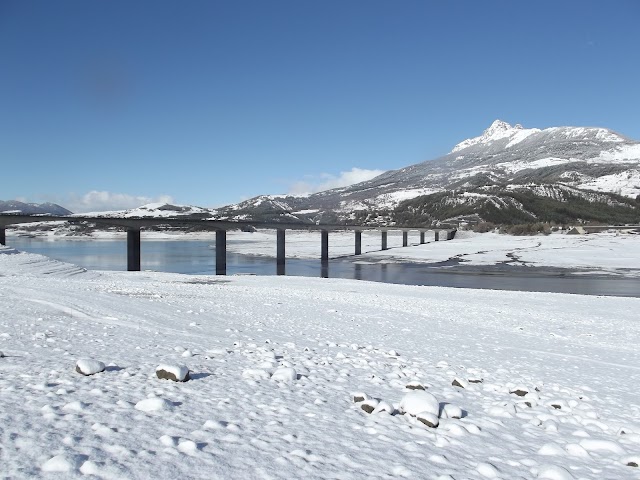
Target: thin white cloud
(327, 181)
(100, 201)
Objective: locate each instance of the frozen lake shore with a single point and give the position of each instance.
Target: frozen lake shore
(275, 363)
(604, 253)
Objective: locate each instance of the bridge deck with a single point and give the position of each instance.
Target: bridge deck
(134, 226)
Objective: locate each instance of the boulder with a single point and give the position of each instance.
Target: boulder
(451, 411)
(429, 419)
(87, 366)
(458, 382)
(419, 401)
(369, 405)
(360, 397)
(414, 386)
(176, 373)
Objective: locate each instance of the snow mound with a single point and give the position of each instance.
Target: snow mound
(177, 373)
(61, 464)
(87, 366)
(154, 405)
(284, 374)
(554, 472)
(418, 402)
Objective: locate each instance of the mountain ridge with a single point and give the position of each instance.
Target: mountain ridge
(47, 208)
(507, 174)
(588, 159)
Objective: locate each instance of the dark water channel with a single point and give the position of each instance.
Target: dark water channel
(197, 257)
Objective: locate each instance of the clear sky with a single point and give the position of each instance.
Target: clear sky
(110, 104)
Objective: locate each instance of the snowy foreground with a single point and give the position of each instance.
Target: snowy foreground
(546, 385)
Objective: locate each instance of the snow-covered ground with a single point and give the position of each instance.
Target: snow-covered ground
(546, 385)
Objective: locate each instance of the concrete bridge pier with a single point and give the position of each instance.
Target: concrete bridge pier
(421, 238)
(280, 252)
(358, 242)
(221, 252)
(384, 240)
(3, 236)
(133, 249)
(405, 239)
(324, 246)
(437, 235)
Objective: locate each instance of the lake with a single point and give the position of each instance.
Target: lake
(197, 257)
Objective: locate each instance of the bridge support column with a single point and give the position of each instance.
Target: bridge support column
(221, 252)
(421, 238)
(358, 242)
(437, 236)
(133, 249)
(3, 236)
(384, 240)
(324, 246)
(280, 252)
(405, 239)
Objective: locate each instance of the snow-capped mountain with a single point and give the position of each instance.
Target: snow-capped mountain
(509, 174)
(506, 158)
(156, 210)
(14, 206)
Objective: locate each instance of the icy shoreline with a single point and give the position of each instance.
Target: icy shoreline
(244, 414)
(595, 254)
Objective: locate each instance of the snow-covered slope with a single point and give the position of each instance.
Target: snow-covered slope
(581, 157)
(156, 210)
(14, 206)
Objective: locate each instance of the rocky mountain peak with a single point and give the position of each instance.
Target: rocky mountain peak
(498, 130)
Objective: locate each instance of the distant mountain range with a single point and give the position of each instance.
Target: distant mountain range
(14, 206)
(507, 175)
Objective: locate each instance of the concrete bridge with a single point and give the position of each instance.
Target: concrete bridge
(134, 226)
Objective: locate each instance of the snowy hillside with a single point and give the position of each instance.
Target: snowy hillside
(14, 206)
(504, 157)
(157, 210)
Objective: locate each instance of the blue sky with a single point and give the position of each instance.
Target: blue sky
(109, 104)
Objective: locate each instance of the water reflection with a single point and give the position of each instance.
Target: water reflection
(198, 257)
(357, 271)
(324, 269)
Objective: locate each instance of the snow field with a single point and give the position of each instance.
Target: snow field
(545, 384)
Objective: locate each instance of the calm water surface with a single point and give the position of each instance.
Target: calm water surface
(197, 257)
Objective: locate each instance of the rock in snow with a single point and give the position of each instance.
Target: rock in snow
(419, 401)
(87, 366)
(360, 397)
(451, 411)
(369, 405)
(177, 373)
(429, 419)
